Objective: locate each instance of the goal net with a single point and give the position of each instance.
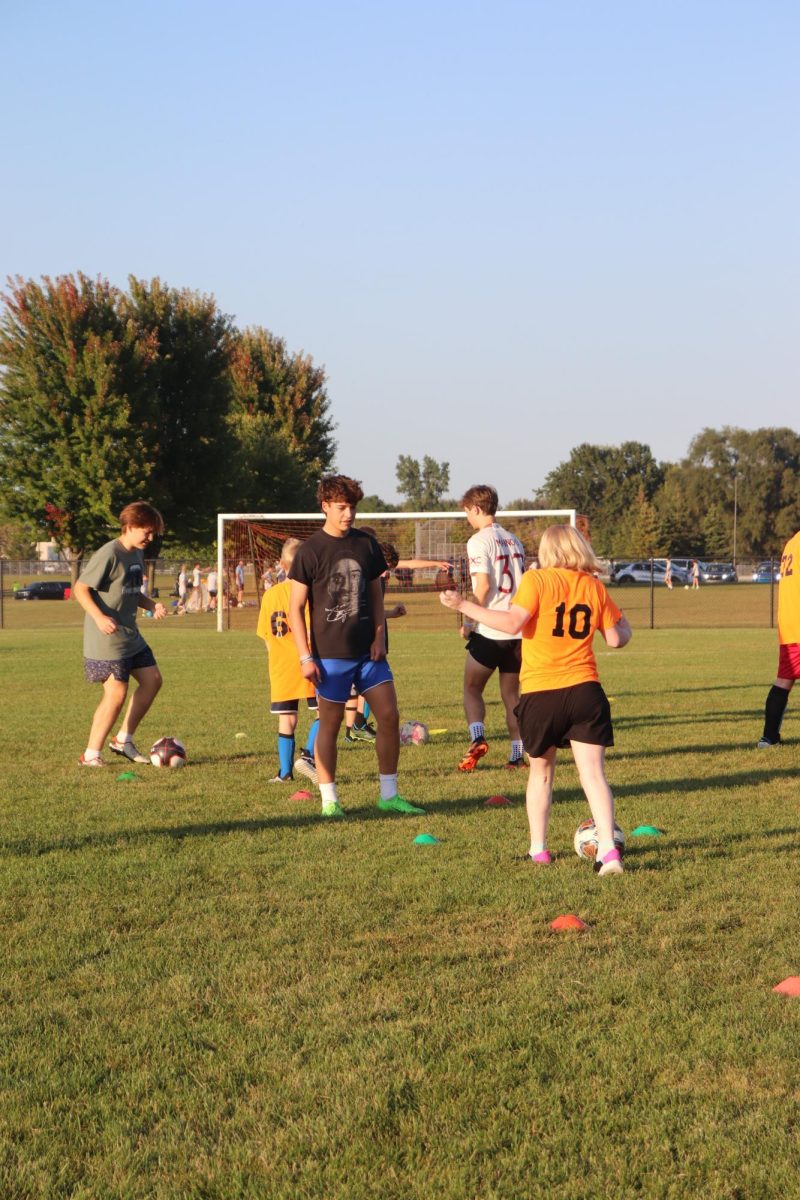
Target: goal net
(430, 548)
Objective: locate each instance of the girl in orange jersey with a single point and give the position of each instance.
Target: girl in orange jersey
(558, 609)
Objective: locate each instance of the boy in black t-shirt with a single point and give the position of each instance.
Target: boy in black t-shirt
(337, 571)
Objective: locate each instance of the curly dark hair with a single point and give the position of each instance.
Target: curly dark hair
(339, 489)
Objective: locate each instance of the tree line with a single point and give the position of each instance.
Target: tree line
(735, 494)
(109, 394)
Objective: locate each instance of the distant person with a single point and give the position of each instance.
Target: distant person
(183, 586)
(337, 572)
(788, 643)
(109, 591)
(695, 574)
(239, 574)
(287, 686)
(211, 584)
(668, 573)
(557, 610)
(196, 576)
(496, 565)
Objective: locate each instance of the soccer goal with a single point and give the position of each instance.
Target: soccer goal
(422, 542)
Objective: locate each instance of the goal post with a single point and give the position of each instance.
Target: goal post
(256, 540)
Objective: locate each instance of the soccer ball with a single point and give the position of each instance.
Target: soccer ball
(586, 840)
(168, 752)
(413, 733)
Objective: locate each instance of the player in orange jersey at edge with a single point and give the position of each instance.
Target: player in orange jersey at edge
(788, 644)
(558, 609)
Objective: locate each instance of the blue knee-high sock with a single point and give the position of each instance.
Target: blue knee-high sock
(312, 736)
(367, 711)
(286, 752)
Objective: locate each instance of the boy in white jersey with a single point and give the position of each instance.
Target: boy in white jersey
(496, 566)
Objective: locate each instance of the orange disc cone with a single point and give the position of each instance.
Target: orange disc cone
(496, 801)
(567, 921)
(301, 795)
(789, 986)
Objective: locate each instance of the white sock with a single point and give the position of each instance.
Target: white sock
(604, 848)
(537, 848)
(328, 794)
(87, 754)
(476, 730)
(516, 752)
(124, 737)
(388, 786)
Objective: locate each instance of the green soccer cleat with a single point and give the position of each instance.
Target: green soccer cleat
(361, 733)
(399, 805)
(333, 810)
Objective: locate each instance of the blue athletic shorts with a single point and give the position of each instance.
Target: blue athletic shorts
(339, 675)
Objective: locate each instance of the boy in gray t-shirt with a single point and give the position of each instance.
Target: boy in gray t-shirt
(109, 591)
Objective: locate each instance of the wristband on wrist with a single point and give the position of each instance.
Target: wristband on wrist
(306, 658)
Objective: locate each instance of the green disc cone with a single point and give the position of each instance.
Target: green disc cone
(126, 776)
(645, 831)
(426, 839)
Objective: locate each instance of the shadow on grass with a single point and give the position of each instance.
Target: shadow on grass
(755, 717)
(619, 755)
(29, 848)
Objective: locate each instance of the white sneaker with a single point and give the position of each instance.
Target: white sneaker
(91, 762)
(611, 864)
(305, 765)
(127, 750)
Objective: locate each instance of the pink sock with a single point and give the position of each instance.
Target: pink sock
(543, 858)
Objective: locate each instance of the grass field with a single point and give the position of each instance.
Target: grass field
(207, 992)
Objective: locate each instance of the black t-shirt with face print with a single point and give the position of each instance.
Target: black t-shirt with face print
(337, 572)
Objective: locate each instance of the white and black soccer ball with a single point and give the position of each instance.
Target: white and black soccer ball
(413, 733)
(586, 840)
(168, 752)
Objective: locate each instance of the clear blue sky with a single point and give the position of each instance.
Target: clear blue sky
(503, 228)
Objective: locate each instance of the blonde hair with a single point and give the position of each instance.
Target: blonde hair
(288, 551)
(563, 546)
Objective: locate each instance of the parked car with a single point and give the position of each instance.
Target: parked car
(718, 572)
(765, 571)
(639, 572)
(43, 589)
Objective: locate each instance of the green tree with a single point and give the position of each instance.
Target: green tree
(373, 503)
(758, 472)
(678, 523)
(184, 415)
(717, 533)
(641, 536)
(422, 485)
(280, 403)
(72, 450)
(17, 538)
(602, 482)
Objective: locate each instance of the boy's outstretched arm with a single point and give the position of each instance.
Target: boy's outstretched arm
(510, 621)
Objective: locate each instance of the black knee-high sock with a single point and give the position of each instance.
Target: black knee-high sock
(773, 712)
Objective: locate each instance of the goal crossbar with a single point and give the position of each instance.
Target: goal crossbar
(568, 515)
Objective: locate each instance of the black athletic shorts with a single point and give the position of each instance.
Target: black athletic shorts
(292, 706)
(573, 714)
(503, 655)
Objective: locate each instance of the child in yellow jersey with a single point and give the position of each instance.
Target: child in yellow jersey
(788, 643)
(286, 683)
(558, 609)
